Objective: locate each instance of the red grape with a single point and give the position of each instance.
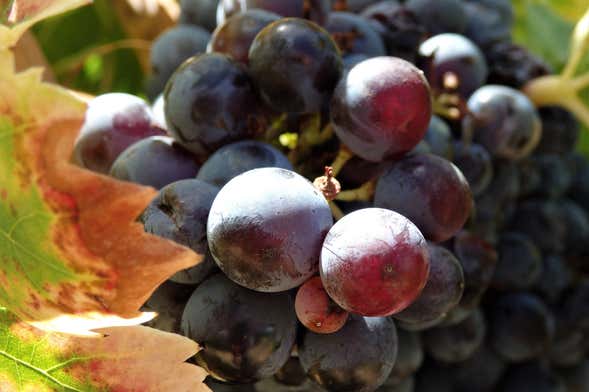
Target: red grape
(113, 122)
(316, 310)
(381, 108)
(374, 262)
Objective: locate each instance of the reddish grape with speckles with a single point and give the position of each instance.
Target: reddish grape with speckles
(316, 311)
(374, 262)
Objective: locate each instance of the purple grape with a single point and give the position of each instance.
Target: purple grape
(504, 121)
(359, 357)
(457, 342)
(296, 65)
(454, 54)
(113, 122)
(235, 36)
(428, 190)
(521, 327)
(236, 158)
(354, 35)
(266, 227)
(155, 161)
(314, 10)
(179, 212)
(476, 164)
(211, 101)
(442, 291)
(381, 108)
(172, 47)
(519, 265)
(245, 336)
(440, 16)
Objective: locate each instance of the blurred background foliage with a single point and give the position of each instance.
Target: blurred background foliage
(104, 47)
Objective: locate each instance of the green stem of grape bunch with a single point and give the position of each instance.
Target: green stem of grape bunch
(564, 89)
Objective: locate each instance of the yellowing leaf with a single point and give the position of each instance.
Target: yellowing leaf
(18, 15)
(124, 359)
(69, 242)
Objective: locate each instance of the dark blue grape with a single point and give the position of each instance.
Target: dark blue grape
(576, 223)
(439, 16)
(236, 158)
(292, 373)
(434, 377)
(354, 35)
(476, 164)
(179, 212)
(266, 228)
(579, 191)
(428, 190)
(478, 259)
(172, 48)
(210, 101)
(513, 65)
(481, 372)
(456, 56)
(519, 265)
(576, 378)
(439, 138)
(199, 12)
(314, 10)
(235, 36)
(296, 65)
(398, 26)
(542, 221)
(576, 306)
(488, 21)
(504, 121)
(409, 357)
(245, 335)
(560, 130)
(555, 278)
(457, 342)
(156, 161)
(520, 326)
(359, 357)
(168, 300)
(442, 290)
(555, 175)
(531, 377)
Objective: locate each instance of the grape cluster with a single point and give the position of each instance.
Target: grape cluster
(378, 205)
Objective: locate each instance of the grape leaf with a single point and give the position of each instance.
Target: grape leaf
(546, 28)
(69, 242)
(124, 359)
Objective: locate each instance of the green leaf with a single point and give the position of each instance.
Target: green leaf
(123, 358)
(69, 240)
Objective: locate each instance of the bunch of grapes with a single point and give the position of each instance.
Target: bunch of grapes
(378, 204)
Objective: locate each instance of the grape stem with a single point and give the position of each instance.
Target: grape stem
(343, 156)
(365, 192)
(336, 211)
(563, 90)
(276, 128)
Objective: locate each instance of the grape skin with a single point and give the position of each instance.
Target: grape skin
(245, 335)
(236, 158)
(266, 227)
(429, 191)
(359, 357)
(316, 311)
(155, 161)
(296, 65)
(521, 327)
(456, 54)
(354, 35)
(374, 262)
(458, 342)
(442, 291)
(381, 108)
(211, 101)
(179, 212)
(113, 122)
(235, 36)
